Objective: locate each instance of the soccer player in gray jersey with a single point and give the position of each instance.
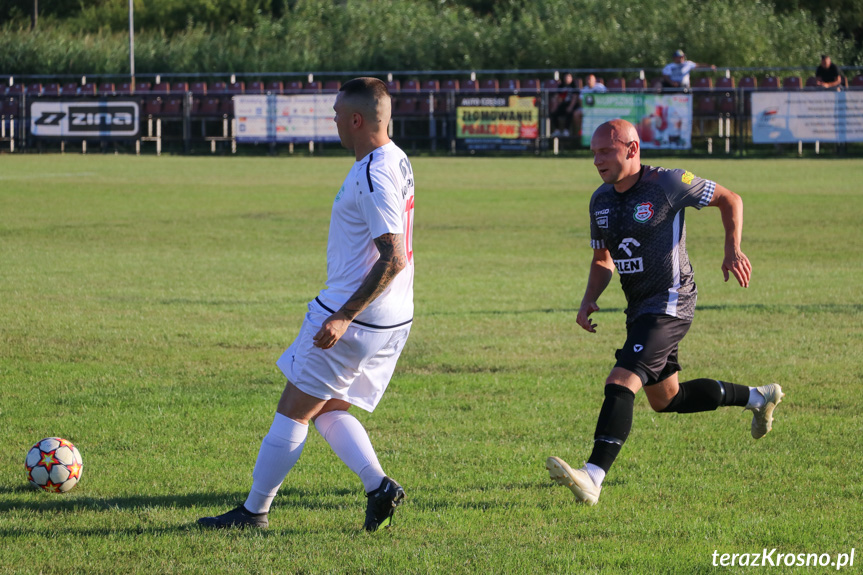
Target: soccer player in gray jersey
(637, 228)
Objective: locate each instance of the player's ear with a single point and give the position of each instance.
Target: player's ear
(357, 120)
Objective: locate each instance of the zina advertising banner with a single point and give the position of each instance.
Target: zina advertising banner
(282, 119)
(497, 122)
(788, 117)
(663, 121)
(115, 119)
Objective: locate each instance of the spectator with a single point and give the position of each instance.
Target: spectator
(592, 87)
(676, 73)
(567, 99)
(827, 75)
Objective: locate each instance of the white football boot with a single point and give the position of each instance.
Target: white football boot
(578, 481)
(762, 418)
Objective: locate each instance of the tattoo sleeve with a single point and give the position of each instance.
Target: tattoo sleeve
(392, 260)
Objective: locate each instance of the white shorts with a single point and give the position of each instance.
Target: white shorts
(357, 369)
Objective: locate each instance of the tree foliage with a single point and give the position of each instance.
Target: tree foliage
(846, 14)
(218, 36)
(167, 15)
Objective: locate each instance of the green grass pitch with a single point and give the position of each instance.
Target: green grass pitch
(144, 302)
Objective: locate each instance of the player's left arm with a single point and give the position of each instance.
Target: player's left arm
(392, 260)
(731, 207)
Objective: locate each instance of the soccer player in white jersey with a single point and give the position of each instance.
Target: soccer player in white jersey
(637, 229)
(356, 327)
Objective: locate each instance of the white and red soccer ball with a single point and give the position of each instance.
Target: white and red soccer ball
(54, 464)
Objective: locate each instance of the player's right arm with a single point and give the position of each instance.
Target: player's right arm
(601, 271)
(731, 207)
(391, 261)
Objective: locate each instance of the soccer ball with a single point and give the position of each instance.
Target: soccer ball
(54, 464)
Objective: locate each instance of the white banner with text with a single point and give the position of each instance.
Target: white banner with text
(281, 119)
(788, 117)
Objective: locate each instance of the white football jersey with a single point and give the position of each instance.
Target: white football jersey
(376, 198)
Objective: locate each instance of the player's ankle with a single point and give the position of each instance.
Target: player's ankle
(756, 400)
(596, 473)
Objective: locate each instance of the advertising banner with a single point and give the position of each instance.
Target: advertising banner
(663, 121)
(788, 117)
(255, 117)
(497, 122)
(282, 119)
(72, 119)
(306, 117)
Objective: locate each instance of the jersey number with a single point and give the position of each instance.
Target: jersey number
(409, 229)
(407, 173)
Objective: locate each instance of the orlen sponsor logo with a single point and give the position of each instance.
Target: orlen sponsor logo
(633, 266)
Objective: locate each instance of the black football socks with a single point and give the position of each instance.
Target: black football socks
(613, 425)
(706, 395)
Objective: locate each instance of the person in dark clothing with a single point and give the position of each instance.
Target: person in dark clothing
(828, 75)
(637, 229)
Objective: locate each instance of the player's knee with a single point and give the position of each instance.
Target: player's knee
(624, 378)
(332, 406)
(659, 404)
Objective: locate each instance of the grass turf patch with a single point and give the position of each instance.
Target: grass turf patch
(144, 302)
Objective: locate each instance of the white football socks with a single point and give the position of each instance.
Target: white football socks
(351, 444)
(596, 473)
(280, 450)
(756, 400)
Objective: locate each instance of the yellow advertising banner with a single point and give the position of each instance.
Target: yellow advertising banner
(517, 120)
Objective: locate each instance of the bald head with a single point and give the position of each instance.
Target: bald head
(619, 130)
(617, 153)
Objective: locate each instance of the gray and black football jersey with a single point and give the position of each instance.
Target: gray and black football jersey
(644, 230)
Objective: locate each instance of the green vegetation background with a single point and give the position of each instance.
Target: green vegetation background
(247, 36)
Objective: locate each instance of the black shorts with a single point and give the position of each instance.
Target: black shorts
(650, 350)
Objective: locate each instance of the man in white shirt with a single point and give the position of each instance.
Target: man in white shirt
(676, 73)
(356, 327)
(591, 87)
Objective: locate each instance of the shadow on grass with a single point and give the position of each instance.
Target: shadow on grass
(498, 498)
(303, 499)
(754, 307)
(289, 505)
(97, 532)
(158, 530)
(324, 499)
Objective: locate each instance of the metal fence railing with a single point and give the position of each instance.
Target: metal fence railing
(191, 113)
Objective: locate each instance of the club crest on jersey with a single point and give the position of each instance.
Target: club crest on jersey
(643, 212)
(686, 178)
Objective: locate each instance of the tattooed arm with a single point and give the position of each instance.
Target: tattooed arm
(392, 260)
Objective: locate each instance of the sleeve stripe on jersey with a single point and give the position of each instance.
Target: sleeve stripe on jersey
(597, 244)
(707, 193)
(369, 173)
